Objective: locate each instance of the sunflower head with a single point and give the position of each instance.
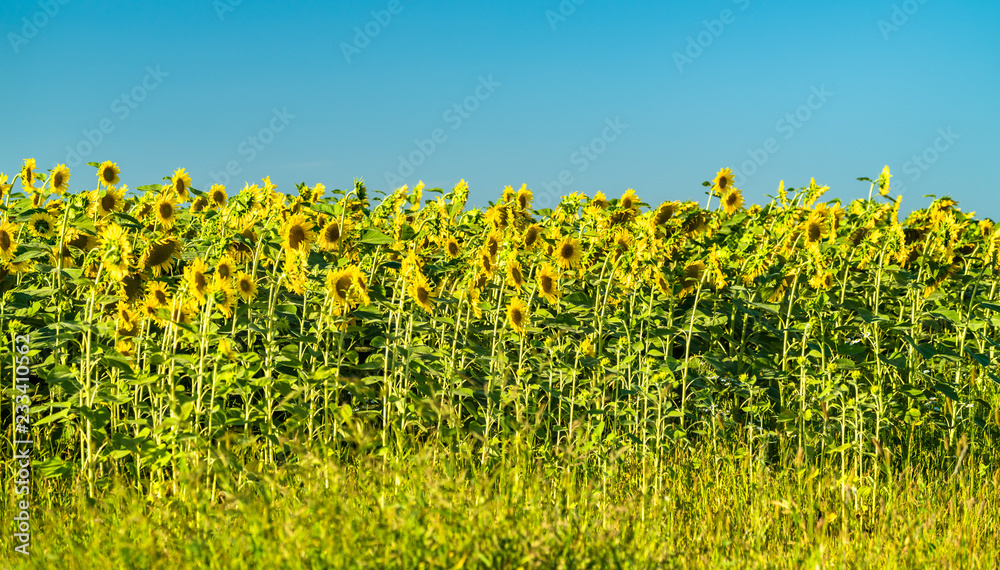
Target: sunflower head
(246, 286)
(217, 197)
(423, 294)
(297, 233)
(329, 236)
(8, 245)
(548, 284)
(28, 174)
(42, 225)
(815, 228)
(524, 197)
(532, 236)
(165, 210)
(665, 212)
(180, 183)
(107, 174)
(723, 180)
(111, 201)
(116, 251)
(568, 252)
(693, 274)
(59, 180)
(517, 315)
(515, 275)
(629, 200)
(732, 200)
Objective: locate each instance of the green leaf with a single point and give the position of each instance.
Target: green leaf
(375, 237)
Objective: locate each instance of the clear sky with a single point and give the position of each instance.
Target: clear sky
(577, 95)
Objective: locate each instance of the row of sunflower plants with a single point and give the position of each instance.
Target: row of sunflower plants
(175, 329)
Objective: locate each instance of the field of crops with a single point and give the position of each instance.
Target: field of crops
(818, 360)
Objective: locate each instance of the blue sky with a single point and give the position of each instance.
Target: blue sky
(559, 95)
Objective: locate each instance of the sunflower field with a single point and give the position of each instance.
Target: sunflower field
(221, 332)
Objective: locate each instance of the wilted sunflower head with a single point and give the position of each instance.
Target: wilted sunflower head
(180, 183)
(693, 273)
(517, 315)
(160, 254)
(723, 179)
(59, 179)
(107, 174)
(665, 212)
(217, 197)
(43, 225)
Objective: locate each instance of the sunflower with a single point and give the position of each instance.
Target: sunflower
(43, 225)
(515, 276)
(126, 321)
(492, 245)
(452, 248)
(28, 174)
(568, 252)
(548, 284)
(723, 180)
(160, 255)
(21, 267)
(600, 200)
(4, 186)
(180, 182)
(198, 282)
(59, 179)
(181, 313)
(116, 251)
(165, 210)
(732, 200)
(329, 236)
(814, 228)
(822, 280)
(662, 284)
(485, 261)
(225, 269)
(532, 236)
(517, 315)
(246, 286)
(629, 200)
(423, 294)
(107, 174)
(224, 297)
(693, 274)
(524, 197)
(217, 197)
(157, 295)
(664, 213)
(130, 288)
(338, 285)
(297, 233)
(199, 204)
(111, 201)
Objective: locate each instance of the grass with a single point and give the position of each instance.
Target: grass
(441, 509)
